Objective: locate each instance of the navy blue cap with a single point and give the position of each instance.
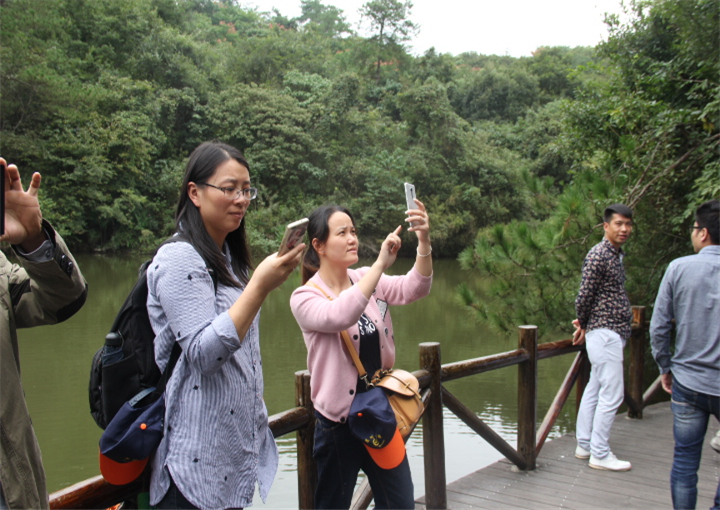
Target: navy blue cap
(372, 421)
(129, 440)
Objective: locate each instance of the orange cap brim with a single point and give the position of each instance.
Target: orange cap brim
(121, 473)
(389, 456)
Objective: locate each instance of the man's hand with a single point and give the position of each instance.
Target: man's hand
(579, 335)
(666, 380)
(23, 219)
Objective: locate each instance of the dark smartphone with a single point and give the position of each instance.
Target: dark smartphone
(2, 199)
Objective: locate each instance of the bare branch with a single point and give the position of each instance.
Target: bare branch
(633, 202)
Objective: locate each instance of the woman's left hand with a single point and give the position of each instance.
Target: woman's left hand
(420, 222)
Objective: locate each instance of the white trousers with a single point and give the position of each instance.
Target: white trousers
(604, 392)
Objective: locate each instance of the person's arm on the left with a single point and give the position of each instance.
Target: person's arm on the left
(47, 286)
(661, 328)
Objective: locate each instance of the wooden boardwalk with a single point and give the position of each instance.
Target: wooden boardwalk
(562, 481)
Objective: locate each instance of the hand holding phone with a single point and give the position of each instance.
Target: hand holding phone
(410, 197)
(293, 234)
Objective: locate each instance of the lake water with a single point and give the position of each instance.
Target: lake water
(56, 366)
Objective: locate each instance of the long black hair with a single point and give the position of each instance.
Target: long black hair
(318, 229)
(203, 162)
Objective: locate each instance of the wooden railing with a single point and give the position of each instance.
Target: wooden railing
(97, 493)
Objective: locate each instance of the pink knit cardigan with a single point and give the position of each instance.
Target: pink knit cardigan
(333, 375)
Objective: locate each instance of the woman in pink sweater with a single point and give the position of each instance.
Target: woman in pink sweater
(359, 304)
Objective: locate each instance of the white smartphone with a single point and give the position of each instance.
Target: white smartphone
(410, 197)
(293, 234)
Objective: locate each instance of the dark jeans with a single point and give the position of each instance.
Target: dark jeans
(691, 412)
(340, 457)
(174, 499)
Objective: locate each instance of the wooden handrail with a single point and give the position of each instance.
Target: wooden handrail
(97, 493)
(652, 390)
(559, 401)
(481, 428)
(94, 493)
(289, 421)
(559, 348)
(468, 367)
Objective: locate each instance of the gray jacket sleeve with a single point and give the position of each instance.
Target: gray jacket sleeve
(46, 292)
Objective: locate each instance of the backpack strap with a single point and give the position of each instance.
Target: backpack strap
(180, 238)
(346, 338)
(165, 377)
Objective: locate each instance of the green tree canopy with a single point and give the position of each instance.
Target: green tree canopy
(645, 135)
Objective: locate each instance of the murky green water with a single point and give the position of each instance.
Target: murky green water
(56, 367)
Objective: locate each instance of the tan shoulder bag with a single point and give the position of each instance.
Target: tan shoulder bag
(402, 387)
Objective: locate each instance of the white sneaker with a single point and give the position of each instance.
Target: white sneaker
(715, 442)
(609, 463)
(581, 453)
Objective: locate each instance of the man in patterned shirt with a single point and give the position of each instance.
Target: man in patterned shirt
(603, 323)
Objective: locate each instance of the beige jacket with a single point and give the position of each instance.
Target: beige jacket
(31, 294)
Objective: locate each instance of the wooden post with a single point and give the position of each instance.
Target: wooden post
(527, 396)
(433, 433)
(306, 468)
(582, 380)
(636, 367)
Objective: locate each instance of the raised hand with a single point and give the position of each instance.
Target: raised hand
(389, 249)
(420, 222)
(23, 219)
(274, 270)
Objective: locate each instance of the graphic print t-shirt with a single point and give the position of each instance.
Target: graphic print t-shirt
(369, 349)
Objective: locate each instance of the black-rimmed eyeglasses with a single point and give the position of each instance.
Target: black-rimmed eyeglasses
(695, 228)
(233, 193)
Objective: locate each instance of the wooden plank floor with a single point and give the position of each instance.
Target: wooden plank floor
(562, 481)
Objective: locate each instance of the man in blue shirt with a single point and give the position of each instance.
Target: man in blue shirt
(690, 294)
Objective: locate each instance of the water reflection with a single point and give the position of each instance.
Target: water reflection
(56, 367)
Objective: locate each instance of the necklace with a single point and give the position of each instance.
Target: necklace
(333, 287)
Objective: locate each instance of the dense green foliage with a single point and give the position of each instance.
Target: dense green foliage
(646, 133)
(106, 98)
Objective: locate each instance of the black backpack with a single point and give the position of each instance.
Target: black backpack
(125, 365)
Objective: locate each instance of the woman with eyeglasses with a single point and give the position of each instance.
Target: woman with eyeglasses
(217, 445)
(359, 304)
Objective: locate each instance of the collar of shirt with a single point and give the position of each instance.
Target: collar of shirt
(713, 249)
(610, 246)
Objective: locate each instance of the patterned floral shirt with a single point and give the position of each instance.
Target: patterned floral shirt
(602, 302)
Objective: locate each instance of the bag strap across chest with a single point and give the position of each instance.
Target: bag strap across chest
(346, 338)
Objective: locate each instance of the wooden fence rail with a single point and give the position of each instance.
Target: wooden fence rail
(97, 493)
